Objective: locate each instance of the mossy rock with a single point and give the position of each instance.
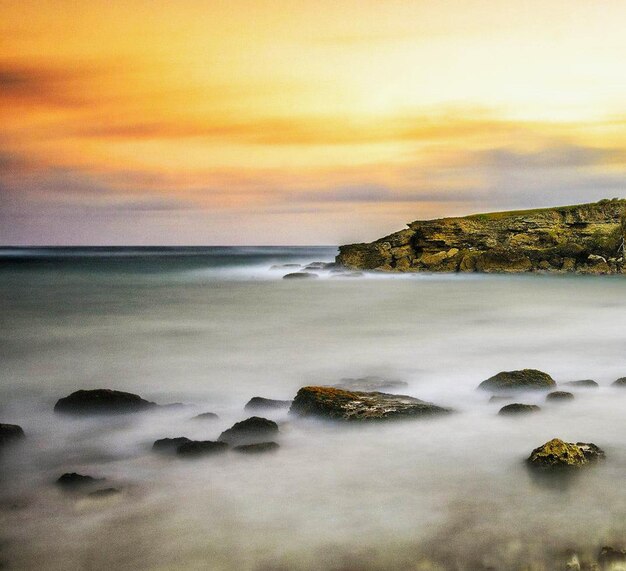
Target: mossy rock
(253, 430)
(517, 408)
(558, 455)
(559, 396)
(523, 380)
(338, 404)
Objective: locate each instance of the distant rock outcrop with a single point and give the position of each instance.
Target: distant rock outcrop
(586, 238)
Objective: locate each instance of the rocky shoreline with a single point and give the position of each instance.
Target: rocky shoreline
(584, 239)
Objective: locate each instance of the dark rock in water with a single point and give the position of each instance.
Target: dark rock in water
(206, 416)
(253, 430)
(299, 276)
(369, 384)
(262, 403)
(10, 433)
(169, 444)
(609, 556)
(559, 396)
(102, 401)
(500, 398)
(258, 448)
(201, 448)
(587, 383)
(558, 455)
(104, 493)
(524, 380)
(74, 480)
(620, 382)
(284, 266)
(319, 266)
(516, 408)
(337, 404)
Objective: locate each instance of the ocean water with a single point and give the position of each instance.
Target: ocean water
(213, 327)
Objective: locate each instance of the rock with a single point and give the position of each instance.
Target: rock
(256, 403)
(105, 493)
(516, 408)
(369, 384)
(253, 430)
(10, 433)
(559, 396)
(299, 276)
(319, 266)
(169, 444)
(524, 380)
(74, 480)
(102, 401)
(338, 404)
(206, 416)
(258, 448)
(201, 448)
(587, 383)
(610, 557)
(620, 382)
(284, 266)
(557, 455)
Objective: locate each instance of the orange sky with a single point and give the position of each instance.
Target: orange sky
(290, 122)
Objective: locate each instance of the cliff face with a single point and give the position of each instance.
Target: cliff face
(586, 238)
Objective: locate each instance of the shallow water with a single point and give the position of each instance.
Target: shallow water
(213, 333)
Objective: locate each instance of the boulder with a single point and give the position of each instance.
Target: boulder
(586, 383)
(369, 384)
(337, 404)
(620, 382)
(611, 558)
(299, 276)
(253, 430)
(201, 448)
(258, 448)
(102, 401)
(516, 408)
(169, 445)
(558, 455)
(559, 396)
(10, 433)
(523, 380)
(256, 403)
(206, 416)
(72, 480)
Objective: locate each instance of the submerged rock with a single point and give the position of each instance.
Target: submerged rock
(259, 403)
(586, 383)
(337, 404)
(620, 382)
(517, 408)
(284, 266)
(10, 433)
(558, 455)
(102, 401)
(369, 384)
(559, 396)
(253, 430)
(169, 444)
(258, 448)
(523, 380)
(72, 480)
(206, 416)
(299, 276)
(201, 448)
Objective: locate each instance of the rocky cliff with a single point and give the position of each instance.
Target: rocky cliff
(586, 238)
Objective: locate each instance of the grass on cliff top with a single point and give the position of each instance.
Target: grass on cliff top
(509, 213)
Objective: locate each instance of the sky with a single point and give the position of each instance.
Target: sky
(296, 122)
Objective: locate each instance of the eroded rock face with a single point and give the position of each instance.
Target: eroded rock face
(523, 380)
(338, 404)
(517, 408)
(10, 433)
(558, 455)
(256, 403)
(253, 430)
(101, 401)
(583, 238)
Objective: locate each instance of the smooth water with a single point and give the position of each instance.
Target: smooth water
(214, 327)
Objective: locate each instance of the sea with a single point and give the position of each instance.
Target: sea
(210, 328)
